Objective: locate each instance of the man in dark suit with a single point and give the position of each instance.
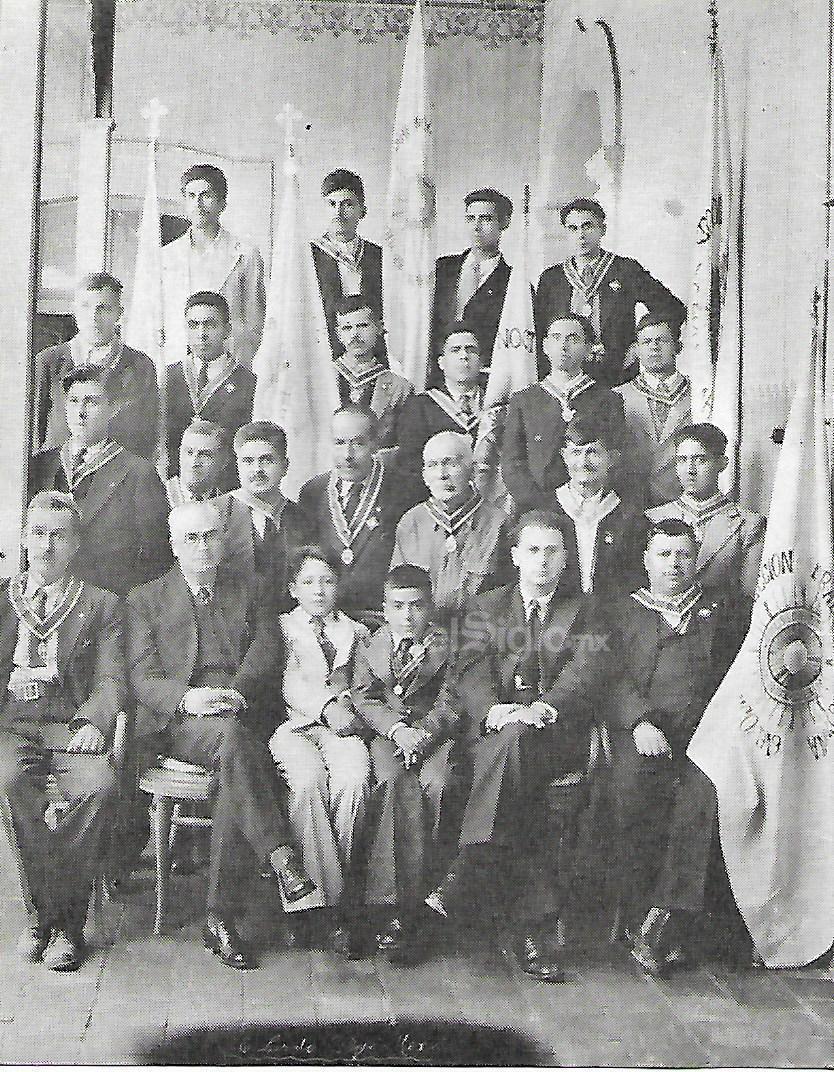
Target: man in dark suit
(131, 377)
(471, 286)
(532, 465)
(62, 666)
(456, 405)
(355, 509)
(529, 673)
(675, 643)
(400, 690)
(345, 262)
(122, 500)
(205, 658)
(605, 288)
(208, 383)
(606, 535)
(262, 526)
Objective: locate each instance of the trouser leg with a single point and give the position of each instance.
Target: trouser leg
(692, 843)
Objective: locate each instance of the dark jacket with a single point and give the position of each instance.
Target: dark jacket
(330, 285)
(482, 312)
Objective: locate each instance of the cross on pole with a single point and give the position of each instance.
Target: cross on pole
(287, 118)
(154, 112)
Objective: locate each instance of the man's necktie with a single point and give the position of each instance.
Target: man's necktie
(204, 596)
(202, 376)
(351, 501)
(401, 656)
(587, 275)
(532, 656)
(39, 603)
(327, 646)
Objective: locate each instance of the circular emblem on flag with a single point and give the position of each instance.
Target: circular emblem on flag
(791, 655)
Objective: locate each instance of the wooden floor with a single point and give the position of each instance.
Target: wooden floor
(136, 991)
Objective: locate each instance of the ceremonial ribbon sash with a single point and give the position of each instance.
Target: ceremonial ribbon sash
(678, 609)
(590, 289)
(179, 495)
(339, 253)
(116, 348)
(405, 677)
(566, 398)
(357, 382)
(663, 398)
(347, 533)
(41, 629)
(91, 464)
(199, 398)
(453, 523)
(699, 518)
(467, 422)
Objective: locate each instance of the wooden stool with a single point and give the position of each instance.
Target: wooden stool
(169, 789)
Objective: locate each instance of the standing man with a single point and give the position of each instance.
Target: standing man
(205, 658)
(204, 454)
(355, 509)
(603, 287)
(208, 383)
(454, 406)
(730, 538)
(345, 262)
(471, 286)
(262, 526)
(208, 257)
(532, 465)
(658, 402)
(122, 500)
(63, 670)
(461, 541)
(529, 674)
(363, 378)
(131, 377)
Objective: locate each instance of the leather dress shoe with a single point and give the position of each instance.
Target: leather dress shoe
(538, 960)
(398, 940)
(346, 942)
(226, 944)
(32, 944)
(65, 952)
(295, 884)
(443, 899)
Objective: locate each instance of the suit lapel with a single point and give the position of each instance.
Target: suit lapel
(608, 297)
(561, 614)
(429, 664)
(489, 282)
(180, 620)
(69, 631)
(379, 655)
(718, 532)
(103, 484)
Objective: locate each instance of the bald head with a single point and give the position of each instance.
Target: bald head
(448, 464)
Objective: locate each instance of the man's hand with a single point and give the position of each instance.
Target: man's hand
(340, 718)
(545, 712)
(410, 743)
(211, 702)
(498, 714)
(650, 741)
(87, 739)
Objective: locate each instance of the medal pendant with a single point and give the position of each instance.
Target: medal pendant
(519, 682)
(588, 311)
(347, 556)
(398, 690)
(451, 543)
(356, 395)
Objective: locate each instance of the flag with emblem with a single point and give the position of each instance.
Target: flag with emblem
(297, 385)
(409, 241)
(766, 739)
(145, 330)
(710, 266)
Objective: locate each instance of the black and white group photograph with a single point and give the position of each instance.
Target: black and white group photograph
(416, 533)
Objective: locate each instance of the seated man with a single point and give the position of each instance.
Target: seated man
(345, 262)
(529, 673)
(319, 750)
(354, 510)
(729, 537)
(605, 535)
(454, 406)
(460, 540)
(62, 662)
(131, 375)
(531, 461)
(400, 690)
(207, 384)
(204, 452)
(657, 403)
(205, 659)
(263, 528)
(363, 379)
(122, 500)
(605, 288)
(676, 642)
(471, 286)
(208, 257)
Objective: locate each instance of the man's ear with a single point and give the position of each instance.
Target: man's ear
(364, 212)
(723, 462)
(514, 556)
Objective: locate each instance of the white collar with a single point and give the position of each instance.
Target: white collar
(486, 265)
(600, 504)
(565, 387)
(700, 506)
(473, 392)
(35, 584)
(662, 383)
(542, 602)
(195, 586)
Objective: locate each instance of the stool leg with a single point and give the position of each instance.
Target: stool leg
(162, 812)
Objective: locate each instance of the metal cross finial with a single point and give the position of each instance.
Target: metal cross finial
(154, 112)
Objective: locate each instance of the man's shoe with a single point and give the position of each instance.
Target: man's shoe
(655, 947)
(538, 960)
(295, 884)
(346, 942)
(226, 944)
(65, 951)
(398, 940)
(32, 944)
(443, 899)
